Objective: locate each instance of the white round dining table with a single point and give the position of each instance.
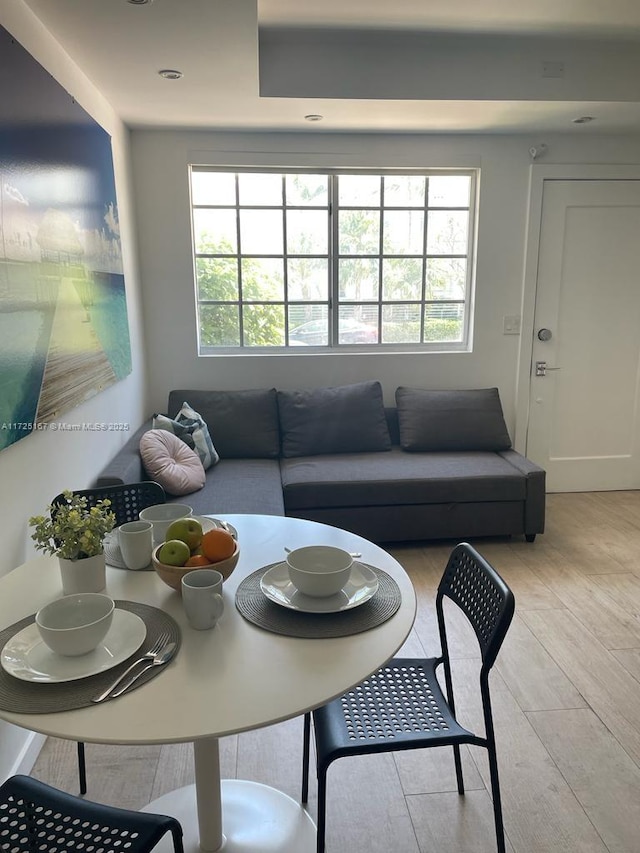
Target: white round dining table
(232, 678)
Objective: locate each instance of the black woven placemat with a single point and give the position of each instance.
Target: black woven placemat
(257, 608)
(25, 697)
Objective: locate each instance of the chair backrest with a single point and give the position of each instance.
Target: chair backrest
(485, 599)
(34, 816)
(126, 499)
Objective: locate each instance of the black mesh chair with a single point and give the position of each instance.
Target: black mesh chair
(402, 706)
(35, 817)
(127, 499)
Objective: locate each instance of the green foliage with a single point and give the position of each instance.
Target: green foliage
(73, 530)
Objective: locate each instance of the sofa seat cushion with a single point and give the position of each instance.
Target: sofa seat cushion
(397, 477)
(240, 486)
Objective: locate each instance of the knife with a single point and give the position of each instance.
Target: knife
(163, 657)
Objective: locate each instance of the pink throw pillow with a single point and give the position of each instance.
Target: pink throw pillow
(171, 463)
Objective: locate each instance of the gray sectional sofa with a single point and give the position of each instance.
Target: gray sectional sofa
(438, 465)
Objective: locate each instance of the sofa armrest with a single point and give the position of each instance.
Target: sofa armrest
(126, 466)
(536, 480)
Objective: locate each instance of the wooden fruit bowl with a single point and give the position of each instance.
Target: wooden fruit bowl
(172, 575)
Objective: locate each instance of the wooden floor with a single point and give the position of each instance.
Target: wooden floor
(566, 692)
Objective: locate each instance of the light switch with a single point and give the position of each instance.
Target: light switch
(511, 324)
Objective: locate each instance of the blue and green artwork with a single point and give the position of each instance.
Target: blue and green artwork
(64, 331)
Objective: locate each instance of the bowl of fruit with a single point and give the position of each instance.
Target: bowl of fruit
(189, 546)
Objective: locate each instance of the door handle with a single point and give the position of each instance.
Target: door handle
(542, 368)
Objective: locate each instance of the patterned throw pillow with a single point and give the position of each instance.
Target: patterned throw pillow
(190, 427)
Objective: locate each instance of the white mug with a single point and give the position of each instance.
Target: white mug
(202, 598)
(136, 543)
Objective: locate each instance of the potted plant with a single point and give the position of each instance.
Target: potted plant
(74, 532)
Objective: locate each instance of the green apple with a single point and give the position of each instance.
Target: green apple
(188, 530)
(175, 552)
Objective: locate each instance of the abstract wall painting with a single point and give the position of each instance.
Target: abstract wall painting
(64, 331)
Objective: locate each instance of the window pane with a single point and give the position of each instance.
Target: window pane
(263, 325)
(359, 190)
(359, 232)
(448, 231)
(449, 191)
(359, 279)
(401, 279)
(261, 232)
(308, 278)
(217, 278)
(260, 189)
(312, 333)
(307, 189)
(219, 326)
(307, 232)
(401, 324)
(443, 322)
(215, 231)
(446, 278)
(358, 324)
(213, 188)
(404, 232)
(404, 191)
(262, 279)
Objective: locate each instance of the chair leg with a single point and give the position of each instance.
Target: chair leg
(495, 794)
(322, 809)
(82, 769)
(178, 846)
(458, 762)
(306, 738)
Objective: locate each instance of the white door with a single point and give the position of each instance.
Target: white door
(583, 414)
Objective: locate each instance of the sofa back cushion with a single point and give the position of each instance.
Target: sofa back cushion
(242, 424)
(346, 419)
(451, 420)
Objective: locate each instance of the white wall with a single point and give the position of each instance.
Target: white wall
(160, 161)
(38, 467)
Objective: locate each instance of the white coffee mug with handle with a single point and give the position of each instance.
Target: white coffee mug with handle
(202, 598)
(136, 543)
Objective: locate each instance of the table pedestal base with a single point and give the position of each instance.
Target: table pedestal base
(255, 819)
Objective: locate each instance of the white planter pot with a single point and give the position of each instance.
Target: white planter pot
(88, 575)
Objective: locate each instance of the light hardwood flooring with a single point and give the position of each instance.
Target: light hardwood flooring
(566, 691)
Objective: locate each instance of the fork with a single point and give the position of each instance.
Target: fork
(153, 651)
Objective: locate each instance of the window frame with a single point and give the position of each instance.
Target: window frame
(334, 303)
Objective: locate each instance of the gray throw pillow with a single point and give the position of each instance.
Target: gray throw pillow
(242, 424)
(189, 426)
(451, 420)
(346, 419)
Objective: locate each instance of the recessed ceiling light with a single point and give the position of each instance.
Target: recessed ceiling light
(139, 2)
(170, 74)
(313, 117)
(583, 119)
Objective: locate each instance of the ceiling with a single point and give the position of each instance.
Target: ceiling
(460, 66)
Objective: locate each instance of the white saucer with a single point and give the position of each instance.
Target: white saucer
(26, 657)
(113, 555)
(360, 587)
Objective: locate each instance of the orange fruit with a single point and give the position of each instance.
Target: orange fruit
(198, 561)
(217, 544)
